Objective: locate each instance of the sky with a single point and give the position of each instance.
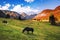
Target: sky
(28, 6)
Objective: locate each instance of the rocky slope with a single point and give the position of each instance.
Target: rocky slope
(15, 15)
(44, 15)
(12, 14)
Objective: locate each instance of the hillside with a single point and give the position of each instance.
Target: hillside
(15, 15)
(42, 31)
(26, 16)
(44, 15)
(12, 14)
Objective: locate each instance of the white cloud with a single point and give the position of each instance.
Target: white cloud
(19, 8)
(26, 9)
(5, 7)
(29, 1)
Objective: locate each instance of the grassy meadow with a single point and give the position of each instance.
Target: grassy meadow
(42, 30)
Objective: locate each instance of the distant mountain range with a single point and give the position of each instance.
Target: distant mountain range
(12, 14)
(15, 15)
(44, 15)
(25, 16)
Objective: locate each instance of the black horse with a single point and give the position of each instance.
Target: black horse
(28, 29)
(4, 21)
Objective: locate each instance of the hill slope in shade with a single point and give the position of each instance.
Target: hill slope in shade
(15, 15)
(44, 15)
(12, 14)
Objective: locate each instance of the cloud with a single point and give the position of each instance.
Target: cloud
(29, 1)
(26, 9)
(19, 8)
(5, 7)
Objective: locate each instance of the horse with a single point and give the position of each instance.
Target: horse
(28, 29)
(4, 21)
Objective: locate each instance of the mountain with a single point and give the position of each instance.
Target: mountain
(2, 14)
(31, 16)
(23, 15)
(26, 17)
(15, 15)
(57, 8)
(12, 14)
(44, 15)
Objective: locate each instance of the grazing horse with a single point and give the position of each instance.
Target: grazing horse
(28, 29)
(4, 21)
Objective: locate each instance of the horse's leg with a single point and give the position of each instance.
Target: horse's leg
(32, 31)
(27, 32)
(23, 31)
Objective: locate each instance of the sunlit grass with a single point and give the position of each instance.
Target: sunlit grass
(42, 30)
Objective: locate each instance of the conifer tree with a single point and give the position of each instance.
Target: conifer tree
(52, 19)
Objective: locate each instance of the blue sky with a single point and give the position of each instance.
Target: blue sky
(28, 6)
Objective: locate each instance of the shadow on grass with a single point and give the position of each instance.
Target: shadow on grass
(31, 36)
(52, 37)
(57, 24)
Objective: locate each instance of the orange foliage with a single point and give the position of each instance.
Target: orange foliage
(47, 12)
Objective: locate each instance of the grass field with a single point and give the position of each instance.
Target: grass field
(42, 30)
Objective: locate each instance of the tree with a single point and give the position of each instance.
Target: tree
(19, 18)
(52, 19)
(7, 16)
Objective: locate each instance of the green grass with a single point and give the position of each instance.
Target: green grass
(42, 30)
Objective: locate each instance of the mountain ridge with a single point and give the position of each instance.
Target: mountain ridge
(15, 15)
(44, 15)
